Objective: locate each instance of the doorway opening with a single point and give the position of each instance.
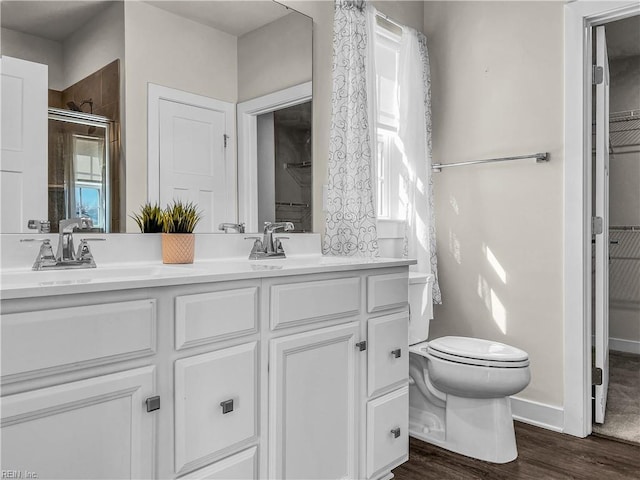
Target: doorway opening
(284, 167)
(616, 199)
(253, 209)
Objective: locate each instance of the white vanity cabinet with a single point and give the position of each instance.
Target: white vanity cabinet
(58, 420)
(283, 377)
(337, 349)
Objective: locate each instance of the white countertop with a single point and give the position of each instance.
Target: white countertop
(23, 283)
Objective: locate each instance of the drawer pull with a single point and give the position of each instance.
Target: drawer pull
(395, 432)
(397, 353)
(227, 406)
(153, 403)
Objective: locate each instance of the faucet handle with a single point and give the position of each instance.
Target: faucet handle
(45, 255)
(258, 242)
(28, 240)
(257, 248)
(42, 226)
(84, 254)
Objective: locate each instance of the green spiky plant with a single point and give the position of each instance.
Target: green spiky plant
(180, 217)
(150, 218)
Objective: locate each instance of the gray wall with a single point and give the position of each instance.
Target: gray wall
(497, 90)
(274, 57)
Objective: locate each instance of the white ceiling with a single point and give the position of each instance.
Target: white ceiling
(235, 17)
(54, 20)
(57, 19)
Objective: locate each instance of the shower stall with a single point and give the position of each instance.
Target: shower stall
(79, 170)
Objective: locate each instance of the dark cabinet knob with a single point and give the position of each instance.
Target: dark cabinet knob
(227, 406)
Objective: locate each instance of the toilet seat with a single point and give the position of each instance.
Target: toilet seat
(474, 351)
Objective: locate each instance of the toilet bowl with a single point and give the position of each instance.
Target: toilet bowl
(460, 386)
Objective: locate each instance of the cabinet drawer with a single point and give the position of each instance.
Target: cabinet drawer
(203, 384)
(387, 291)
(242, 466)
(387, 431)
(52, 341)
(388, 357)
(305, 302)
(206, 317)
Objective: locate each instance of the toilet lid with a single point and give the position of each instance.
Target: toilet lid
(477, 351)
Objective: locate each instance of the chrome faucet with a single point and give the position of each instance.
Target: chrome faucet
(65, 242)
(238, 227)
(66, 256)
(269, 246)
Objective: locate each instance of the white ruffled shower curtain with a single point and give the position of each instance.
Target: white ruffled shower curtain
(414, 133)
(351, 217)
(351, 220)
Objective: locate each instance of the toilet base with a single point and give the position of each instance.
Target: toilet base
(478, 428)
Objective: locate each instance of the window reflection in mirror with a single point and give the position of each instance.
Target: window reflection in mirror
(78, 177)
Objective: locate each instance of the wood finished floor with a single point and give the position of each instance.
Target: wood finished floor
(542, 455)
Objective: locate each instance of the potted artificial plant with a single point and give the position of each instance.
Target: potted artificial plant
(149, 219)
(178, 241)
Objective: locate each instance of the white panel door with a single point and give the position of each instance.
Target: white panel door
(602, 240)
(191, 154)
(94, 428)
(312, 404)
(23, 162)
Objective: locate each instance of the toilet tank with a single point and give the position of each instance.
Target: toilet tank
(420, 305)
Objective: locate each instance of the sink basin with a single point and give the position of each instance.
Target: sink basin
(90, 275)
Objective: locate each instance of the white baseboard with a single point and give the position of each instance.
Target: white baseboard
(621, 345)
(538, 414)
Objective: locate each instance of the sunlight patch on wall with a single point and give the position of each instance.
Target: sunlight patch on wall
(454, 204)
(495, 264)
(498, 312)
(454, 247)
(493, 304)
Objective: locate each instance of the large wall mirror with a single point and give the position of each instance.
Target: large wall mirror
(115, 119)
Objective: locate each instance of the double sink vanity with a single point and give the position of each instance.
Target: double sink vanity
(227, 368)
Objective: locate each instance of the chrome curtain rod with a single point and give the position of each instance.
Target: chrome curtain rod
(540, 157)
(389, 19)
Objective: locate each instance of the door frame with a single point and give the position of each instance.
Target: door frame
(248, 145)
(579, 19)
(155, 94)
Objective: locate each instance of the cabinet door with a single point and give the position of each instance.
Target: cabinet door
(312, 404)
(94, 428)
(388, 352)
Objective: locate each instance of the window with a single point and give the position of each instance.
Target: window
(89, 171)
(389, 159)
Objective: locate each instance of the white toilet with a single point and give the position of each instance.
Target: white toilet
(460, 387)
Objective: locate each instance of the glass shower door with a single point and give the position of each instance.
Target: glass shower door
(78, 170)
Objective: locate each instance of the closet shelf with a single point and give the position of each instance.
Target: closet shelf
(300, 172)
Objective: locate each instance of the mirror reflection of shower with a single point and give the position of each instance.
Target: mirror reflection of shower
(78, 167)
(284, 166)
